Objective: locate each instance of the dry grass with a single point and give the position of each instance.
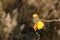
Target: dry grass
(16, 22)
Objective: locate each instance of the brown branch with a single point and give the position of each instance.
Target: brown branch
(50, 20)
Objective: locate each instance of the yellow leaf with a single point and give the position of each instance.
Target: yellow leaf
(35, 27)
(38, 25)
(35, 15)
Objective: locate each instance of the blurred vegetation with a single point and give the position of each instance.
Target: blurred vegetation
(16, 21)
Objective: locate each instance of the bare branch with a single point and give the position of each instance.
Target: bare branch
(50, 20)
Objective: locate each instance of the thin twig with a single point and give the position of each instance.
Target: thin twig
(38, 35)
(50, 20)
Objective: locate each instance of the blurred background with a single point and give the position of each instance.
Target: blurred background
(16, 21)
